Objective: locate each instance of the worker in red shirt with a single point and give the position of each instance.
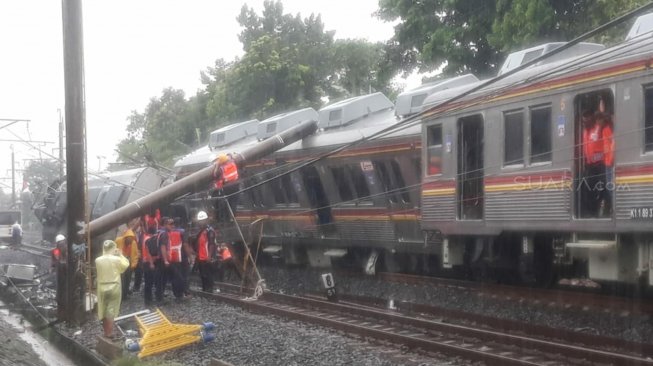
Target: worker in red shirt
(604, 123)
(593, 181)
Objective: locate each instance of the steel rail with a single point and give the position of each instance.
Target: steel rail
(426, 334)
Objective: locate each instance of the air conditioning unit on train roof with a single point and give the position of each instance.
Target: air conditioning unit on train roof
(284, 121)
(410, 101)
(642, 25)
(519, 58)
(235, 132)
(353, 109)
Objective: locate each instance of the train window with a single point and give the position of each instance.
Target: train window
(434, 143)
(256, 194)
(360, 183)
(384, 177)
(513, 138)
(342, 183)
(648, 118)
(540, 134)
(277, 190)
(400, 183)
(289, 189)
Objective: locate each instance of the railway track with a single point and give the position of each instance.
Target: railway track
(35, 250)
(571, 299)
(469, 342)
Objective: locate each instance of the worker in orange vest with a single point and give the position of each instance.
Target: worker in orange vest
(128, 246)
(170, 246)
(148, 260)
(224, 261)
(604, 121)
(59, 259)
(205, 248)
(225, 175)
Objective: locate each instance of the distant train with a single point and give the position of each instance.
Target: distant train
(489, 184)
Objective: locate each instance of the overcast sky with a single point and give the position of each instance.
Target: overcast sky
(133, 49)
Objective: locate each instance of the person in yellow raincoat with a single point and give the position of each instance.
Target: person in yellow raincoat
(128, 246)
(110, 265)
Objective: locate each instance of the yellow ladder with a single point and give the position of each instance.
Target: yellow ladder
(160, 334)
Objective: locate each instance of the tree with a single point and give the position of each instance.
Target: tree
(289, 63)
(358, 68)
(39, 173)
(468, 36)
(523, 22)
(168, 128)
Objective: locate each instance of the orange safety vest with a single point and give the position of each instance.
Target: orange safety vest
(608, 145)
(203, 246)
(145, 251)
(174, 246)
(226, 254)
(56, 254)
(593, 146)
(229, 174)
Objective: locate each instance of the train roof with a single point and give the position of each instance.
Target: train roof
(351, 110)
(362, 125)
(126, 177)
(410, 101)
(582, 63)
(232, 133)
(642, 25)
(521, 57)
(284, 121)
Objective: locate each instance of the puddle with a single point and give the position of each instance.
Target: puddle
(46, 351)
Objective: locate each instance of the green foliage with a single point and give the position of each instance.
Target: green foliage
(289, 63)
(39, 173)
(358, 69)
(167, 129)
(474, 36)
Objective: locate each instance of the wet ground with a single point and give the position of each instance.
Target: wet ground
(18, 344)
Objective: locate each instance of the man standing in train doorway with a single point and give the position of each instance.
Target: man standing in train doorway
(593, 184)
(225, 175)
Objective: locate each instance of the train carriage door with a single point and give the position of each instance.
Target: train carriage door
(317, 197)
(470, 168)
(594, 155)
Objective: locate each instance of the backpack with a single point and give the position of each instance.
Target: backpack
(153, 245)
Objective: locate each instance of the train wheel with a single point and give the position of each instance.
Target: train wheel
(391, 262)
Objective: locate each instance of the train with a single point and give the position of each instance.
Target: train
(488, 186)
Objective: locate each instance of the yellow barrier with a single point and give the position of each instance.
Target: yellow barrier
(161, 335)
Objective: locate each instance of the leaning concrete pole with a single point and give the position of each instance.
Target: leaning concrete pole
(200, 179)
(75, 142)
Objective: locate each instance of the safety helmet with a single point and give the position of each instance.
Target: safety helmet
(222, 158)
(59, 238)
(202, 216)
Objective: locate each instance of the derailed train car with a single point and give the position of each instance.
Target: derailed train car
(495, 188)
(106, 193)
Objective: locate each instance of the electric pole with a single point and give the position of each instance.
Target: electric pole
(60, 144)
(75, 150)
